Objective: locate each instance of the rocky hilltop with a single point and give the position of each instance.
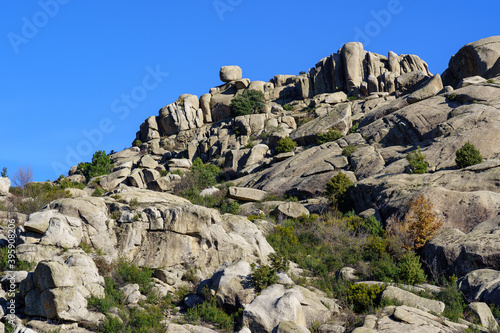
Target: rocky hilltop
(357, 116)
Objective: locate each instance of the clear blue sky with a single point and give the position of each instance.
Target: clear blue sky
(67, 66)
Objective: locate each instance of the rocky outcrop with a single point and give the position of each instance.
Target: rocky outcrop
(277, 304)
(4, 186)
(412, 300)
(230, 73)
(481, 285)
(454, 252)
(477, 58)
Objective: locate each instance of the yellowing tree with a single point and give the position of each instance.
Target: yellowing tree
(421, 222)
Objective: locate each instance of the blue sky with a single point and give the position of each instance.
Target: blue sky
(80, 76)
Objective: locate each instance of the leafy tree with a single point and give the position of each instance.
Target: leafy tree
(250, 101)
(4, 172)
(467, 155)
(101, 165)
(285, 145)
(417, 161)
(421, 222)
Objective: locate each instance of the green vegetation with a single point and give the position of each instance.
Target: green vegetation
(210, 312)
(265, 275)
(302, 72)
(452, 96)
(410, 269)
(4, 172)
(417, 161)
(354, 128)
(364, 297)
(100, 165)
(18, 265)
(467, 155)
(337, 189)
(453, 299)
(347, 151)
(490, 81)
(39, 194)
(250, 101)
(285, 145)
(352, 98)
(329, 136)
(288, 107)
(98, 192)
(137, 143)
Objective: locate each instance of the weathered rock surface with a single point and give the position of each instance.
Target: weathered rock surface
(454, 252)
(412, 300)
(481, 285)
(337, 117)
(230, 73)
(276, 304)
(476, 58)
(246, 194)
(4, 186)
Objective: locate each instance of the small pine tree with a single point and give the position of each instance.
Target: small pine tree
(417, 161)
(337, 189)
(467, 155)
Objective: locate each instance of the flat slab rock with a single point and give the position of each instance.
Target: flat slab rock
(246, 194)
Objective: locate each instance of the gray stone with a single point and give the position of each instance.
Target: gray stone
(291, 209)
(481, 285)
(410, 299)
(484, 312)
(4, 186)
(429, 89)
(246, 194)
(230, 73)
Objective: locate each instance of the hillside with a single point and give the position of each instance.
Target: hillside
(341, 199)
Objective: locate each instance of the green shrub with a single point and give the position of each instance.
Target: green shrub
(410, 269)
(231, 208)
(302, 73)
(127, 272)
(347, 151)
(288, 107)
(250, 101)
(417, 161)
(373, 226)
(490, 81)
(263, 276)
(113, 297)
(354, 128)
(113, 324)
(41, 194)
(352, 98)
(205, 174)
(285, 145)
(329, 136)
(279, 263)
(98, 192)
(452, 96)
(14, 264)
(337, 189)
(364, 297)
(146, 320)
(100, 165)
(453, 299)
(384, 268)
(137, 143)
(210, 312)
(467, 155)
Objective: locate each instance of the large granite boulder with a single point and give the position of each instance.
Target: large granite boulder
(4, 186)
(183, 114)
(454, 252)
(481, 285)
(477, 58)
(230, 73)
